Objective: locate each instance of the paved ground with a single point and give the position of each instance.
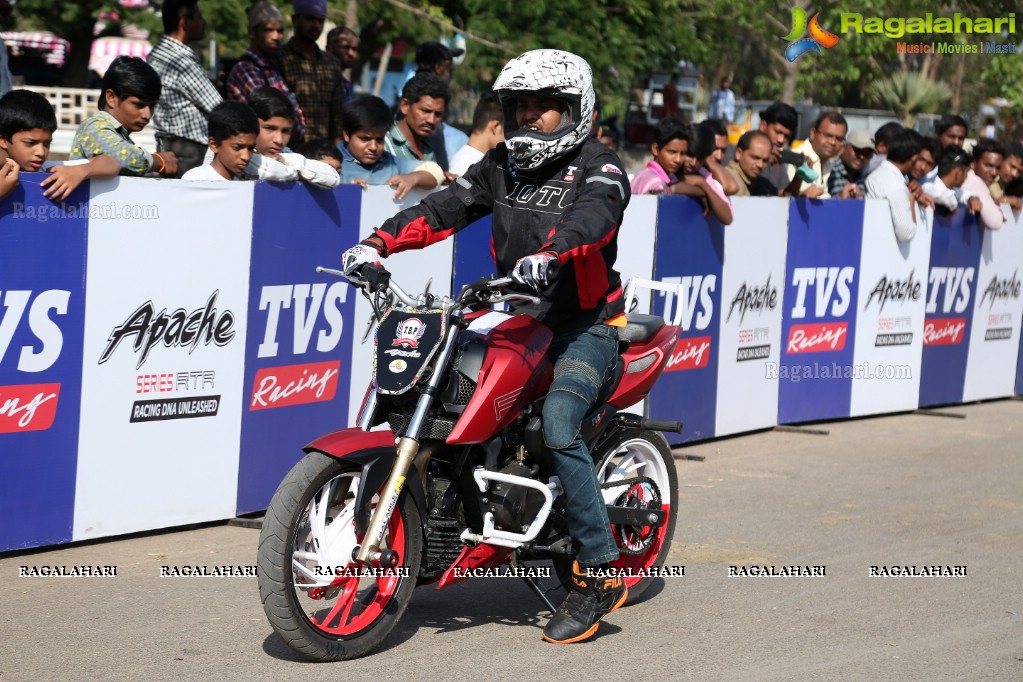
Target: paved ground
(904, 490)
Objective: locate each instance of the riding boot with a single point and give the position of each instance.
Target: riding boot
(593, 594)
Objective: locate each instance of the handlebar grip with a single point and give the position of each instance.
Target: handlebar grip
(376, 276)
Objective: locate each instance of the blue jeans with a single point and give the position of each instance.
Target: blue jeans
(584, 361)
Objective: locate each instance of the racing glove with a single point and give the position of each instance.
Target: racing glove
(535, 271)
(354, 258)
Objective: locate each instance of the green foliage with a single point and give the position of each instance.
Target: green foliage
(909, 94)
(626, 41)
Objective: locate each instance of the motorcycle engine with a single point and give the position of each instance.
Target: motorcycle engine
(515, 506)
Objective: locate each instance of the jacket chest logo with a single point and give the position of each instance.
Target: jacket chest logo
(548, 196)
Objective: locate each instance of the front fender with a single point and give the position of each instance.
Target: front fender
(341, 444)
(374, 452)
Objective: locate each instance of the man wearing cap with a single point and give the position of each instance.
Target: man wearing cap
(439, 59)
(187, 96)
(315, 76)
(849, 167)
(258, 66)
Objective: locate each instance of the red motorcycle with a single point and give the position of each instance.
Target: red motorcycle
(461, 482)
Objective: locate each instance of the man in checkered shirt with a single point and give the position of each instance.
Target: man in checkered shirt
(315, 76)
(188, 96)
(258, 66)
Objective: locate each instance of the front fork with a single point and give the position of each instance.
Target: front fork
(407, 448)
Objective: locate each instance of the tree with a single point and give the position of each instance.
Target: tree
(75, 22)
(908, 94)
(72, 21)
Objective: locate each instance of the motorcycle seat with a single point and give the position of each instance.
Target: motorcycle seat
(639, 328)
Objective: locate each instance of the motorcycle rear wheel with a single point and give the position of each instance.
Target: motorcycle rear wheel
(636, 454)
(308, 534)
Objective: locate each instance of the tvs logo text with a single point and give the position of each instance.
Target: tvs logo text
(692, 353)
(31, 407)
(948, 292)
(295, 385)
(180, 328)
(690, 290)
(832, 297)
(309, 304)
(944, 331)
(51, 340)
(693, 309)
(949, 289)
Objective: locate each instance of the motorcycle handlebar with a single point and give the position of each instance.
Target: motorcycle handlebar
(482, 289)
(376, 277)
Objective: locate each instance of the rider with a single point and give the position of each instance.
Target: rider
(557, 197)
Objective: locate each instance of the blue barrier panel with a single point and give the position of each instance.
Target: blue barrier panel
(690, 253)
(42, 322)
(301, 325)
(956, 243)
(819, 322)
(473, 255)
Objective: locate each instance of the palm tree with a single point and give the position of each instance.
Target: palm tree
(909, 93)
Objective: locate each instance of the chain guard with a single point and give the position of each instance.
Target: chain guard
(625, 499)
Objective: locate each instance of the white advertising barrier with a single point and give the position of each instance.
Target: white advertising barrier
(892, 299)
(636, 242)
(997, 313)
(166, 300)
(411, 270)
(752, 285)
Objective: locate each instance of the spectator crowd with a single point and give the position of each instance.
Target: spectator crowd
(916, 174)
(287, 112)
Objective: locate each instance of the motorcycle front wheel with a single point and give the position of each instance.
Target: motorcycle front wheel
(636, 469)
(323, 606)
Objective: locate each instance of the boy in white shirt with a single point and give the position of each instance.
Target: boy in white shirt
(273, 160)
(487, 133)
(946, 187)
(232, 127)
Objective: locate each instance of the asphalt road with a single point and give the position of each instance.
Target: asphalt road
(894, 491)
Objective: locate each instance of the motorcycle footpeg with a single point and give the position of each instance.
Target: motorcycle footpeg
(637, 422)
(634, 516)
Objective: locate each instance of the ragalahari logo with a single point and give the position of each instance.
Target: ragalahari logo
(819, 37)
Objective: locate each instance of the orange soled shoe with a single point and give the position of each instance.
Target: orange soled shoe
(591, 596)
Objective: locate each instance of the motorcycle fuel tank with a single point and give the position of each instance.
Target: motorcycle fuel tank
(515, 372)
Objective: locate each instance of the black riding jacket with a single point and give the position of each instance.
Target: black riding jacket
(572, 207)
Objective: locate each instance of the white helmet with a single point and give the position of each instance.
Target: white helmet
(553, 73)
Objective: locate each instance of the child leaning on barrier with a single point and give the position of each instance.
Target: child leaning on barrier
(129, 92)
(273, 160)
(669, 149)
(233, 128)
(322, 150)
(366, 120)
(27, 123)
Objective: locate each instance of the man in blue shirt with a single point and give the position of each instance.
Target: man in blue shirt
(722, 102)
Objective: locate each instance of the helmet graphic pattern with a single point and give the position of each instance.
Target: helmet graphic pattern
(554, 73)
